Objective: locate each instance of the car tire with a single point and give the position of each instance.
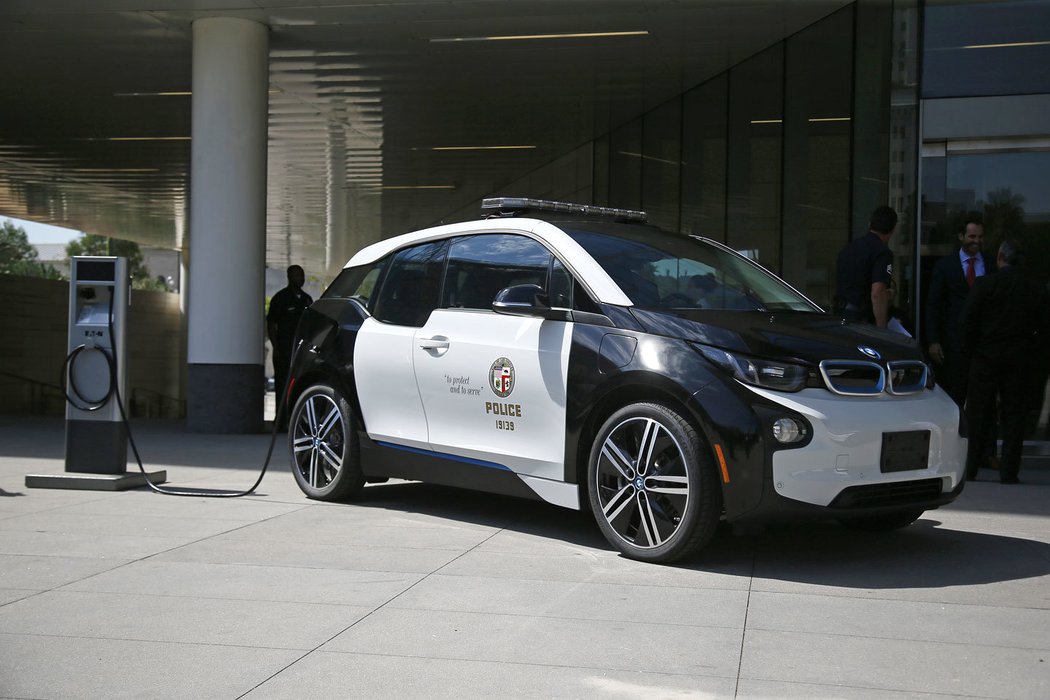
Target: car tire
(653, 488)
(883, 522)
(322, 445)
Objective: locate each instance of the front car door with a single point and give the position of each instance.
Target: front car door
(493, 386)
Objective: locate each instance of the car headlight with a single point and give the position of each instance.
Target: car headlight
(768, 374)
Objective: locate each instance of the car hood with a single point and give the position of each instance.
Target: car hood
(801, 336)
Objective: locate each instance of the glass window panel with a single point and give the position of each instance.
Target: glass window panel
(1012, 191)
(818, 77)
(625, 166)
(755, 133)
(412, 285)
(601, 171)
(661, 270)
(991, 48)
(480, 266)
(704, 160)
(662, 144)
(560, 292)
(936, 237)
(871, 111)
(356, 282)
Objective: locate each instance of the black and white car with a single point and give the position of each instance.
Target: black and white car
(580, 356)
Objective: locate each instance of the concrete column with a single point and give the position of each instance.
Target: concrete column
(227, 226)
(336, 233)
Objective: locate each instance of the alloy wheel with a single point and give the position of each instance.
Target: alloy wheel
(643, 483)
(318, 441)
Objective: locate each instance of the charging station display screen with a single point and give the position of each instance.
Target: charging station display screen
(96, 270)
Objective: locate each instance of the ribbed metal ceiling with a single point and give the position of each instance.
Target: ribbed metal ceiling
(95, 126)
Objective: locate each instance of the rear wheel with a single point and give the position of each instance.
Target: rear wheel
(323, 445)
(883, 522)
(654, 492)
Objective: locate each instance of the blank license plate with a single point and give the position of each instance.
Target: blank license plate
(905, 451)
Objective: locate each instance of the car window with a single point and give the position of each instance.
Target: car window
(412, 285)
(668, 271)
(560, 292)
(480, 266)
(356, 282)
(566, 292)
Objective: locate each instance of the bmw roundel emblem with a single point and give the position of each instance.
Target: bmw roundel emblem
(870, 352)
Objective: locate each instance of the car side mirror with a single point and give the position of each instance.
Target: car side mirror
(528, 300)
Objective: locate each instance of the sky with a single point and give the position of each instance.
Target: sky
(42, 233)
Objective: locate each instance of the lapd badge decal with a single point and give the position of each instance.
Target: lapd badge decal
(501, 377)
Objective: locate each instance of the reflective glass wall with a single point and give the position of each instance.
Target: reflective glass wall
(817, 120)
(986, 136)
(755, 134)
(704, 159)
(993, 153)
(783, 157)
(986, 48)
(1010, 189)
(766, 157)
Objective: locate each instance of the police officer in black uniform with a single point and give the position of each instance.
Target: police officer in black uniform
(286, 308)
(864, 271)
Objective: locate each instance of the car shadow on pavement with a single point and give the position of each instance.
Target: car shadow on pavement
(491, 510)
(923, 555)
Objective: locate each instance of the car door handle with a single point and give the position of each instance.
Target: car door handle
(434, 343)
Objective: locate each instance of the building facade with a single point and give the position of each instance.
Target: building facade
(785, 155)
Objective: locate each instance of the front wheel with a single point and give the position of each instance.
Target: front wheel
(654, 492)
(323, 445)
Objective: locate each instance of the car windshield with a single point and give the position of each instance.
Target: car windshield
(658, 270)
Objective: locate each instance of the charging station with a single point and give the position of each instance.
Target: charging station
(94, 377)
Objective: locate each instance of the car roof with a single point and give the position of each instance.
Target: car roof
(584, 268)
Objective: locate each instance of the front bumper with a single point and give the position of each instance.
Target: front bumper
(837, 472)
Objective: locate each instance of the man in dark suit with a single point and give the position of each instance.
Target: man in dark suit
(953, 276)
(1005, 342)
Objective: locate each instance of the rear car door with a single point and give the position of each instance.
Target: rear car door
(385, 347)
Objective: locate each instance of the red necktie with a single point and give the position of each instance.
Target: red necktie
(971, 271)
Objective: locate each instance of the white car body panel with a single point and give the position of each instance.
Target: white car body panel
(386, 382)
(524, 431)
(847, 441)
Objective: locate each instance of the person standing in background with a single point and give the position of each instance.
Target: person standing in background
(1005, 344)
(953, 276)
(864, 271)
(286, 308)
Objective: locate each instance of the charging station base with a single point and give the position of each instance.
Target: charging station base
(93, 482)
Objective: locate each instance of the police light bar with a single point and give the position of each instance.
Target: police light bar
(518, 204)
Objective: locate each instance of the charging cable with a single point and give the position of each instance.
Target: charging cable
(85, 404)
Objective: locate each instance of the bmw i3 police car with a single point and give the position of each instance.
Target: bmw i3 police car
(577, 355)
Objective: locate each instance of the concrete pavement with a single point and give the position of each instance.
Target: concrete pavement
(421, 592)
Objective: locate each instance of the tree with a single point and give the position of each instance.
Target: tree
(90, 244)
(1004, 215)
(19, 257)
